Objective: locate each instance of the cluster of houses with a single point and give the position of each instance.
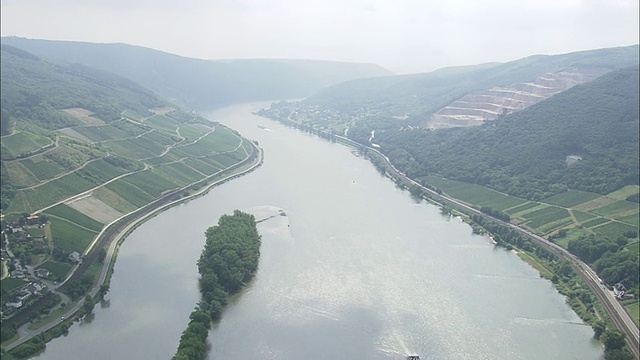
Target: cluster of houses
(20, 296)
(620, 292)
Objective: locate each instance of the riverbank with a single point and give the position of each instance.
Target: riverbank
(114, 235)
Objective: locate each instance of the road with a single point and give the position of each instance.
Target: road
(618, 314)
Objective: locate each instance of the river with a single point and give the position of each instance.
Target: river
(357, 269)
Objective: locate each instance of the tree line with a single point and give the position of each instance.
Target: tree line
(228, 261)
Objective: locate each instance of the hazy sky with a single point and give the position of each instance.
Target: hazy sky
(401, 35)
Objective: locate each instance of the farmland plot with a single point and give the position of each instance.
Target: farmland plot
(571, 198)
(22, 143)
(42, 167)
(65, 212)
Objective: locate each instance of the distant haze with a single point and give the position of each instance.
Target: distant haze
(404, 36)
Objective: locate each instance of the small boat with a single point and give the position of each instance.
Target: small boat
(413, 357)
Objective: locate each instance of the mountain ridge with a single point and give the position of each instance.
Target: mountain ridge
(198, 82)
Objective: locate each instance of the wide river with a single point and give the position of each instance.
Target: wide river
(357, 269)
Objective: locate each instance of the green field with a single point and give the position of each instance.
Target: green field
(154, 147)
(162, 123)
(42, 167)
(624, 192)
(631, 219)
(8, 284)
(70, 237)
(633, 246)
(634, 311)
(179, 173)
(130, 148)
(521, 207)
(614, 229)
(130, 114)
(552, 226)
(101, 133)
(595, 222)
(475, 194)
(22, 143)
(225, 160)
(619, 207)
(130, 127)
(193, 131)
(571, 198)
(547, 215)
(582, 216)
(58, 270)
(49, 193)
(114, 200)
(131, 193)
(101, 171)
(204, 165)
(160, 138)
(20, 176)
(171, 156)
(151, 181)
(74, 216)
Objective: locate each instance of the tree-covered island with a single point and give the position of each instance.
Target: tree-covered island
(228, 261)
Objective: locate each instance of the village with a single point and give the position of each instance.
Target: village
(25, 247)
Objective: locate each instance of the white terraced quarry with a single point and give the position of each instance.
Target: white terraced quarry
(485, 105)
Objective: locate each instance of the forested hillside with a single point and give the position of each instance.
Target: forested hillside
(198, 83)
(525, 154)
(419, 95)
(33, 89)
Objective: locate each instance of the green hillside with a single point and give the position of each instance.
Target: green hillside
(32, 89)
(525, 154)
(201, 83)
(69, 129)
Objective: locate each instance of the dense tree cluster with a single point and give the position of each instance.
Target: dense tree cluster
(613, 263)
(229, 260)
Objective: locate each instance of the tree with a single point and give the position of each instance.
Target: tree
(613, 339)
(598, 328)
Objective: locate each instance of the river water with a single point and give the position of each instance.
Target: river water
(357, 269)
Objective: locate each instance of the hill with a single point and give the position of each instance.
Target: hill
(585, 138)
(202, 83)
(416, 97)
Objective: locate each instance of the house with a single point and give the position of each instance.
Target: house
(42, 272)
(32, 219)
(572, 159)
(619, 290)
(17, 274)
(15, 303)
(74, 257)
(35, 288)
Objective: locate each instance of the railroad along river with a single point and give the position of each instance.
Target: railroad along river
(351, 268)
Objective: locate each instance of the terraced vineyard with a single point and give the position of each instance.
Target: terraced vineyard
(96, 172)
